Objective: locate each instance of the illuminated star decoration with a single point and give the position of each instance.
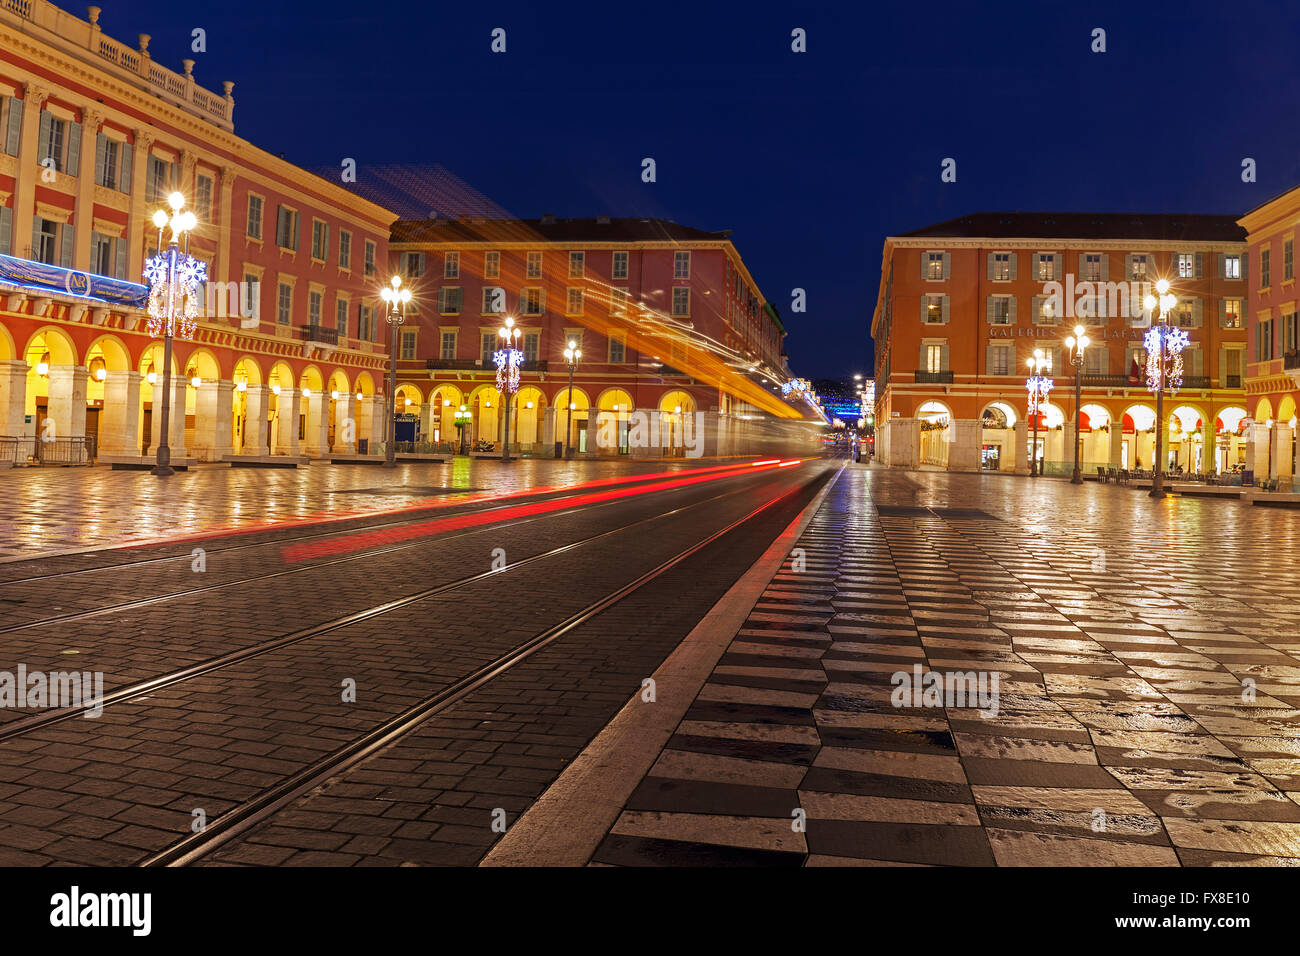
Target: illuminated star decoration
(191, 274)
(1175, 340)
(508, 361)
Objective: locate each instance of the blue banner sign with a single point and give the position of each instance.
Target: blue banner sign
(48, 278)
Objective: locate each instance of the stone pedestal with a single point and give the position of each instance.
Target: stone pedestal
(286, 422)
(345, 425)
(1022, 448)
(318, 425)
(904, 442)
(213, 408)
(964, 451)
(255, 418)
(67, 401)
(13, 399)
(119, 422)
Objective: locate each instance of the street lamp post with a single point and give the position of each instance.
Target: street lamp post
(1164, 347)
(396, 297)
(508, 359)
(175, 290)
(1038, 385)
(571, 356)
(1076, 344)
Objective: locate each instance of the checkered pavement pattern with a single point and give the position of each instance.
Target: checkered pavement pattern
(1148, 707)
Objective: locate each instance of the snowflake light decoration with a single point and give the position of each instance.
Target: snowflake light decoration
(175, 292)
(1170, 377)
(1039, 386)
(508, 361)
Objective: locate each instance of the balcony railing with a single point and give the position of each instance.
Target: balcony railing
(1291, 359)
(319, 333)
(177, 88)
(1232, 381)
(1109, 381)
(1196, 381)
(462, 364)
(933, 377)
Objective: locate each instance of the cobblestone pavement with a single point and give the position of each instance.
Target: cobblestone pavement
(1148, 657)
(111, 790)
(57, 509)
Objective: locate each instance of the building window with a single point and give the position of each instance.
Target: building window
(1288, 268)
(494, 300)
(1289, 342)
(618, 268)
(103, 259)
(1264, 347)
(531, 301)
(408, 345)
(450, 300)
(287, 223)
(285, 305)
(448, 350)
(110, 170)
(345, 249)
(254, 228)
(681, 301)
(532, 344)
(618, 298)
(577, 264)
(934, 265)
(487, 348)
(370, 258)
(1232, 267)
(999, 310)
(1186, 265)
(1002, 360)
(934, 358)
(451, 265)
(341, 317)
(617, 350)
(681, 265)
(11, 124)
(1046, 267)
(933, 309)
(413, 264)
(1265, 277)
(158, 178)
(573, 306)
(365, 323)
(1002, 266)
(320, 240)
(203, 198)
(1184, 315)
(533, 268)
(315, 303)
(1092, 268)
(491, 265)
(45, 241)
(1138, 265)
(252, 297)
(1232, 314)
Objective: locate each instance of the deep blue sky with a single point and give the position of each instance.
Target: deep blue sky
(812, 159)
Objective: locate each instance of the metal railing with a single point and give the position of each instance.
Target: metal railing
(1291, 359)
(320, 333)
(933, 377)
(33, 450)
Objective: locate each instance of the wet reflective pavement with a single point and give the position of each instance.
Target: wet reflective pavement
(1147, 705)
(58, 509)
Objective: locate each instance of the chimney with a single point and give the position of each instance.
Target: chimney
(548, 219)
(602, 220)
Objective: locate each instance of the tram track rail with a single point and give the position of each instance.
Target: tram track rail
(26, 725)
(261, 808)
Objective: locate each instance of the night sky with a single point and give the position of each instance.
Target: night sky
(812, 159)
